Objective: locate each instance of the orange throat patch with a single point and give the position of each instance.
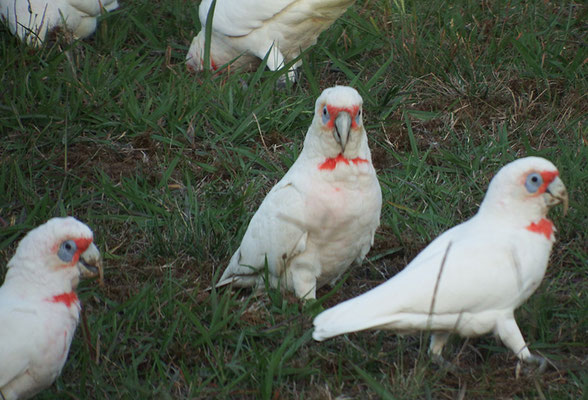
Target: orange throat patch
(544, 227)
(331, 163)
(65, 298)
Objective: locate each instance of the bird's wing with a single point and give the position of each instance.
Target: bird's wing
(16, 329)
(93, 7)
(276, 231)
(479, 274)
(240, 17)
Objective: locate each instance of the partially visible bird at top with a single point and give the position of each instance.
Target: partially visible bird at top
(39, 308)
(471, 278)
(322, 215)
(245, 31)
(31, 20)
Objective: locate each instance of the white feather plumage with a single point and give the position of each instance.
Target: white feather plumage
(494, 262)
(314, 223)
(244, 31)
(31, 20)
(39, 310)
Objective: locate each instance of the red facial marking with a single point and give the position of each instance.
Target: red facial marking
(82, 245)
(65, 298)
(330, 163)
(548, 177)
(544, 227)
(334, 111)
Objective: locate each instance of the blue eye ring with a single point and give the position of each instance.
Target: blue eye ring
(533, 182)
(67, 250)
(326, 116)
(358, 117)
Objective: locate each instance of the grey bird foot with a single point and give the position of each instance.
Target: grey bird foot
(243, 83)
(281, 83)
(445, 365)
(292, 76)
(532, 365)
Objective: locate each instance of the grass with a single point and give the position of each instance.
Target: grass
(167, 168)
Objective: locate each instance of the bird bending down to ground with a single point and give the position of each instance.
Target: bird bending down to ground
(31, 20)
(322, 215)
(245, 31)
(39, 309)
(470, 279)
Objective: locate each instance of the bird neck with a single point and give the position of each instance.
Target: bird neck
(37, 284)
(530, 216)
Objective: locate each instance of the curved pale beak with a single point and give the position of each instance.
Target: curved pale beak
(90, 264)
(342, 128)
(557, 193)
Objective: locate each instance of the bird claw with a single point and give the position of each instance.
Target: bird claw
(281, 82)
(291, 76)
(243, 83)
(540, 362)
(444, 364)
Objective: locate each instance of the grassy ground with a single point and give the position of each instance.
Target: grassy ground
(167, 168)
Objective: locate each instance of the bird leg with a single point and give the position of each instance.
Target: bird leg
(438, 341)
(275, 61)
(303, 278)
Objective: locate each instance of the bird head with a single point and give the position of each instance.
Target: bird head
(337, 125)
(61, 246)
(527, 187)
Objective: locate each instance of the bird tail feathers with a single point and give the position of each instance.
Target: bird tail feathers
(351, 316)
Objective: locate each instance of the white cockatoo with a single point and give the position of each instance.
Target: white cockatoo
(31, 20)
(39, 308)
(245, 31)
(470, 279)
(322, 215)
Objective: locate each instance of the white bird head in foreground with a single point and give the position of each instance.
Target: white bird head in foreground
(524, 190)
(471, 278)
(61, 247)
(337, 130)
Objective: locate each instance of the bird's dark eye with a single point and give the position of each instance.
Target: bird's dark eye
(325, 115)
(358, 117)
(67, 250)
(533, 182)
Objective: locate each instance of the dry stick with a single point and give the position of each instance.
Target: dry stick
(87, 337)
(462, 391)
(437, 286)
(260, 132)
